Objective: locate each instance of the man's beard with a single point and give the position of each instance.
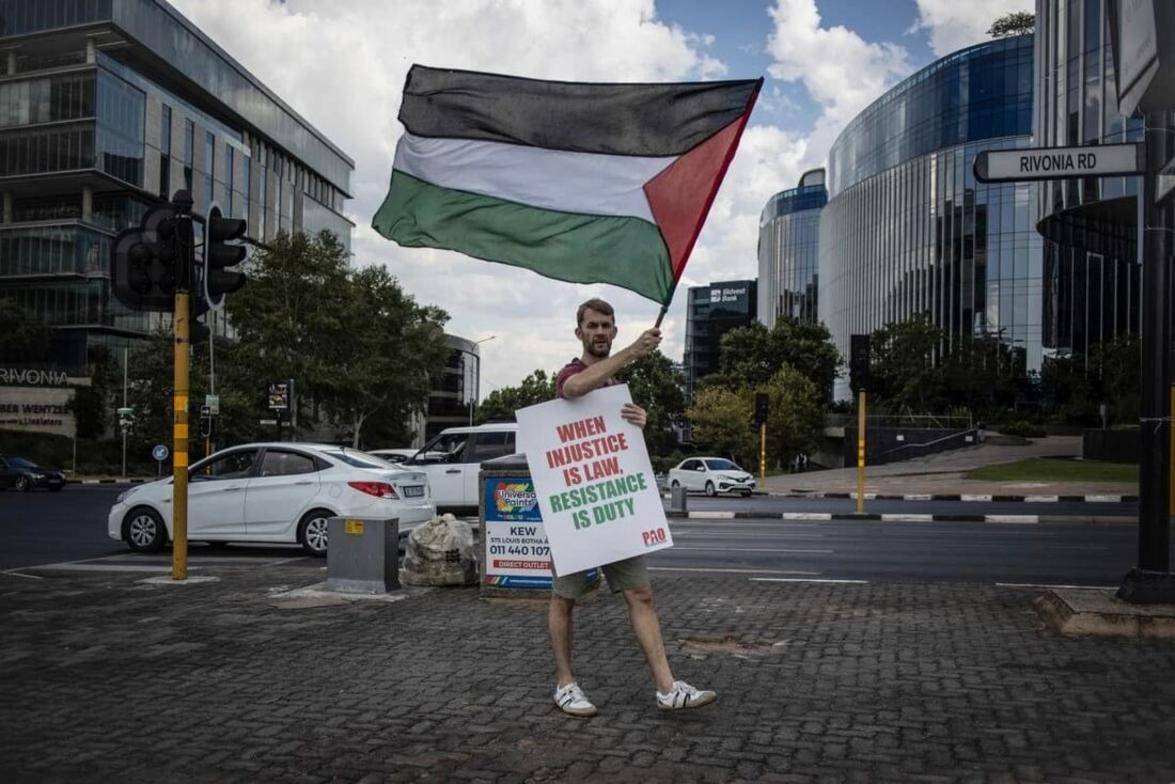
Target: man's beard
(599, 350)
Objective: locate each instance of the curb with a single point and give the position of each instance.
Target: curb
(908, 518)
(107, 481)
(1032, 499)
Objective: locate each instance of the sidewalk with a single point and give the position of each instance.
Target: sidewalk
(106, 678)
(943, 474)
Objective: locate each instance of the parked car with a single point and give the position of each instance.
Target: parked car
(24, 475)
(453, 459)
(711, 475)
(274, 492)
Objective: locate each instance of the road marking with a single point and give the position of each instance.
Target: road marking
(1041, 585)
(907, 518)
(17, 573)
(984, 498)
(918, 497)
(727, 571)
(81, 567)
(733, 535)
(807, 516)
(750, 550)
(1028, 499)
(1019, 519)
(711, 515)
(1105, 499)
(803, 580)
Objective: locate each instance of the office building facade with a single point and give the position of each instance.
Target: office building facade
(908, 230)
(711, 312)
(789, 229)
(108, 107)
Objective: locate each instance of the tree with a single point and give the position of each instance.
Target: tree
(91, 404)
(795, 415)
(500, 405)
(656, 386)
(902, 363)
(721, 420)
(750, 356)
(23, 338)
(1015, 23)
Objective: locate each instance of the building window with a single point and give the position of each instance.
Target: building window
(210, 156)
(228, 179)
(189, 152)
(165, 152)
(247, 185)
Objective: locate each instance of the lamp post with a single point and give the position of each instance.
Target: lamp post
(477, 382)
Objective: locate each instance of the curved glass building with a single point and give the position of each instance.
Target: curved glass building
(908, 230)
(1092, 278)
(789, 227)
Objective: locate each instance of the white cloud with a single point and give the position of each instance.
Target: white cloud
(953, 24)
(841, 71)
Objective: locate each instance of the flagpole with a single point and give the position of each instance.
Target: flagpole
(661, 315)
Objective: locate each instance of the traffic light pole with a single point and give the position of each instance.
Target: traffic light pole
(861, 452)
(182, 318)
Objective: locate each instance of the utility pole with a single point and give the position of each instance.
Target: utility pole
(184, 241)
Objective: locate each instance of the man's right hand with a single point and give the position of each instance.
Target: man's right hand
(646, 344)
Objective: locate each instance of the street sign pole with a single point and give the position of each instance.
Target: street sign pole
(861, 452)
(179, 430)
(1151, 580)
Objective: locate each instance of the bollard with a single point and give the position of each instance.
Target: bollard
(363, 555)
(677, 497)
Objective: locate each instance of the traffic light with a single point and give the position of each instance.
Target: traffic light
(859, 362)
(219, 255)
(146, 269)
(760, 408)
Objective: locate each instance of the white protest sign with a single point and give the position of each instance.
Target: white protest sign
(593, 479)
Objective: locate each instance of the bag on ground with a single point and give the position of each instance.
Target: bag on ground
(440, 552)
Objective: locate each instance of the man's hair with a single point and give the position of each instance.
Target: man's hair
(598, 305)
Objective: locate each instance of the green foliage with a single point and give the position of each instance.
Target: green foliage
(656, 386)
(1015, 23)
(1023, 428)
(22, 338)
(500, 405)
(91, 405)
(902, 363)
(750, 356)
(721, 420)
(1045, 469)
(795, 416)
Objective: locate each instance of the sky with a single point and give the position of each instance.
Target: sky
(341, 64)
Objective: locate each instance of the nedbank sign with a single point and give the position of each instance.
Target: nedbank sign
(1052, 163)
(31, 377)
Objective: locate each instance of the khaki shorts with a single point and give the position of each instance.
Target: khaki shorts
(621, 575)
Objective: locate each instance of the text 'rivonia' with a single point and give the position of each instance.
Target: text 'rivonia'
(1058, 161)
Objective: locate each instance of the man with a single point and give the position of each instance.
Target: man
(595, 368)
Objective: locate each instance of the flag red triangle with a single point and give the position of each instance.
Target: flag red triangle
(681, 194)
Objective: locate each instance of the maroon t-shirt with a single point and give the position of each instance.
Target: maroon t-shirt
(570, 369)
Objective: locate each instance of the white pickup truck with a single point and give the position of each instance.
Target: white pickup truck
(453, 459)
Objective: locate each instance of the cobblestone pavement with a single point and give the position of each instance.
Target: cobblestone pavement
(105, 678)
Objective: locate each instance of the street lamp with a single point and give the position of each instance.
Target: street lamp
(477, 381)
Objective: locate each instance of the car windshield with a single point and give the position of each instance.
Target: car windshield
(721, 465)
(20, 462)
(359, 459)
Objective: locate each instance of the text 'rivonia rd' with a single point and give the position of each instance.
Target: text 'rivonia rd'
(1058, 162)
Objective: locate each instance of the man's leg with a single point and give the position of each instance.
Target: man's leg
(643, 613)
(559, 616)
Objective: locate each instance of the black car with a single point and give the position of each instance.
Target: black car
(25, 475)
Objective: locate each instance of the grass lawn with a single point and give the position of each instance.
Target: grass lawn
(1044, 469)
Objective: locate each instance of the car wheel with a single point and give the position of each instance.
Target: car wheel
(143, 530)
(312, 532)
(710, 491)
(23, 484)
(746, 493)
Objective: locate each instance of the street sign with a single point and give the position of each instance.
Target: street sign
(267, 421)
(212, 403)
(280, 395)
(160, 452)
(1141, 44)
(1052, 163)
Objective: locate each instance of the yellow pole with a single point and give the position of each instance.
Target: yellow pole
(861, 452)
(179, 463)
(762, 453)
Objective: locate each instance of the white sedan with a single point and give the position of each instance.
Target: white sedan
(274, 492)
(711, 475)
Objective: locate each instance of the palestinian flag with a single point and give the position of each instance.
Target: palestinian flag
(590, 183)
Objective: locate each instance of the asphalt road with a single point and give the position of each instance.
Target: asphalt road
(43, 528)
(762, 504)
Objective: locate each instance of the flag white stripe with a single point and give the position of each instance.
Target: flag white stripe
(579, 182)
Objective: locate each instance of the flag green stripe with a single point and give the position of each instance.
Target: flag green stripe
(623, 251)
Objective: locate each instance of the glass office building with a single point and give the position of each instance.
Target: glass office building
(789, 228)
(711, 312)
(1092, 276)
(105, 109)
(908, 230)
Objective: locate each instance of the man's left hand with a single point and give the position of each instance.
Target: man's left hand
(634, 415)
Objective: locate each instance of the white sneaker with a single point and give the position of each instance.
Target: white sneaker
(571, 700)
(682, 695)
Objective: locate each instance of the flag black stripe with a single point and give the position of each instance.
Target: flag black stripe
(617, 119)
